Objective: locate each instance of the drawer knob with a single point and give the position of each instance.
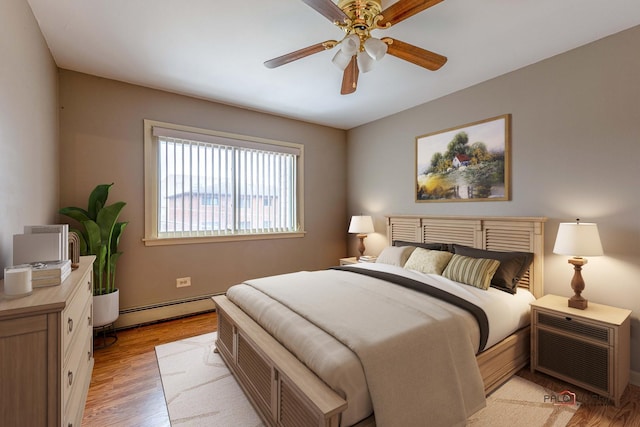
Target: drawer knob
(70, 377)
(89, 285)
(70, 425)
(70, 325)
(89, 320)
(88, 355)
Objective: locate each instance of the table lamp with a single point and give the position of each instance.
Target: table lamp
(362, 225)
(578, 239)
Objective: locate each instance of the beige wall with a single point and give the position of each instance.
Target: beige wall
(28, 126)
(576, 153)
(101, 132)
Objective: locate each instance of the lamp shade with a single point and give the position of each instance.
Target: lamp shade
(578, 239)
(341, 60)
(361, 224)
(376, 48)
(365, 62)
(350, 45)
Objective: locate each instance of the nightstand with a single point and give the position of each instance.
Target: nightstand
(589, 348)
(349, 260)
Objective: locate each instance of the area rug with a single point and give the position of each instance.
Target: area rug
(200, 391)
(199, 388)
(519, 402)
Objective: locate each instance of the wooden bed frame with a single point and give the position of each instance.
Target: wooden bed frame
(286, 393)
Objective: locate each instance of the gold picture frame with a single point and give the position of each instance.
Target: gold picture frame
(468, 163)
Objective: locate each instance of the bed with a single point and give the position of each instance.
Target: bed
(288, 391)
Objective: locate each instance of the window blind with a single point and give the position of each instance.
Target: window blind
(210, 185)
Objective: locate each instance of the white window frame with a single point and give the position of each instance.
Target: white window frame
(151, 147)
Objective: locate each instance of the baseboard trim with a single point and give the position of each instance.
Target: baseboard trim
(138, 316)
(634, 378)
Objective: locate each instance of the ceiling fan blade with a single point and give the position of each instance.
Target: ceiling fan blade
(328, 9)
(299, 54)
(404, 9)
(421, 57)
(350, 77)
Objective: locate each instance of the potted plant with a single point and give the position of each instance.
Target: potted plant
(99, 234)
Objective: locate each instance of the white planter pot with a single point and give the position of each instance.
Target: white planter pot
(106, 308)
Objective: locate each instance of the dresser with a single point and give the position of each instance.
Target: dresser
(46, 352)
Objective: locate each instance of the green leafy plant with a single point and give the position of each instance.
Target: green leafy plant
(99, 235)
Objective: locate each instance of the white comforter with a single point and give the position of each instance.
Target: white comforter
(335, 361)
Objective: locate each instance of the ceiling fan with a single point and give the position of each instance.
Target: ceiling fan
(359, 50)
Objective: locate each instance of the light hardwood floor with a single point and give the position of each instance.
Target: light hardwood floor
(126, 389)
(594, 411)
(125, 386)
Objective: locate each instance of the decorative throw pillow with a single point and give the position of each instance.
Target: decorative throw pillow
(395, 255)
(476, 272)
(513, 265)
(428, 261)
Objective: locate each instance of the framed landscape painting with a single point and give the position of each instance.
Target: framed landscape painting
(466, 163)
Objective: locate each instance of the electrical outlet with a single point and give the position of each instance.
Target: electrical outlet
(183, 282)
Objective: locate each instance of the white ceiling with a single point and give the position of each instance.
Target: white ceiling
(214, 49)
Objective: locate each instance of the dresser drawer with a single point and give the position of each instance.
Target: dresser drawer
(72, 419)
(74, 405)
(74, 317)
(575, 326)
(76, 368)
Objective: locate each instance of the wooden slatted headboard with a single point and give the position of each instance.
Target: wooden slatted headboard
(522, 234)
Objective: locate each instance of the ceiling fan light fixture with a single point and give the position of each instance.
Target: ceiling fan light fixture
(350, 45)
(357, 18)
(365, 62)
(341, 59)
(376, 48)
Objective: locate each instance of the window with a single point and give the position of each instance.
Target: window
(202, 185)
(206, 199)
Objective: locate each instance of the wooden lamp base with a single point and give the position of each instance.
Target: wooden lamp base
(578, 302)
(361, 245)
(577, 284)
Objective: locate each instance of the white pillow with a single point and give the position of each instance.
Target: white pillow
(395, 255)
(428, 261)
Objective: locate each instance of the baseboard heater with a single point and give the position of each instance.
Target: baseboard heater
(136, 316)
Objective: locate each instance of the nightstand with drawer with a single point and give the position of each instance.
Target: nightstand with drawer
(589, 348)
(356, 260)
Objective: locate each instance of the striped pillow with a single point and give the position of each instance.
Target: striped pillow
(476, 272)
